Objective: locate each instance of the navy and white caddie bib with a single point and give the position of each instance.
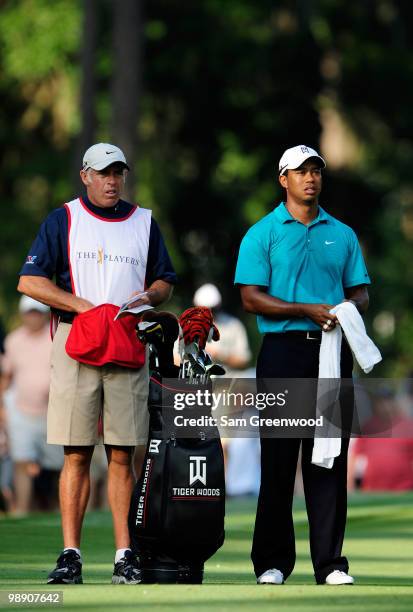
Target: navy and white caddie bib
(107, 257)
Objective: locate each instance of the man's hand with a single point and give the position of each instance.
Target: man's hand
(160, 291)
(144, 299)
(44, 290)
(83, 305)
(320, 314)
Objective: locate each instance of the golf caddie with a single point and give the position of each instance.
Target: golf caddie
(100, 250)
(294, 266)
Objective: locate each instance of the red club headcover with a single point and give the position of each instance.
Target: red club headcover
(196, 323)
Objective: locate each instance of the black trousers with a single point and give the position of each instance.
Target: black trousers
(293, 356)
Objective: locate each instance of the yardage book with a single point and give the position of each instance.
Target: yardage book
(124, 309)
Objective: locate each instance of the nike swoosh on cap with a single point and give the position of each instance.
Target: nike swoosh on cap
(109, 152)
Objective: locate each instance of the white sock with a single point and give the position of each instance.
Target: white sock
(75, 549)
(120, 553)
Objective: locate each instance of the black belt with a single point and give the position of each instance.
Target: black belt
(305, 335)
(65, 317)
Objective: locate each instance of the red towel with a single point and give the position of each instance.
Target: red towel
(96, 339)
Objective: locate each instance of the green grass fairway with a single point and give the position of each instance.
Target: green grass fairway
(379, 544)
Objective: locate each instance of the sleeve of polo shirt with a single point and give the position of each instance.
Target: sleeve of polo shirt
(159, 266)
(355, 271)
(45, 251)
(253, 265)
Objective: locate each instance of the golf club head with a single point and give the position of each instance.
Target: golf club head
(197, 365)
(214, 369)
(150, 332)
(205, 358)
(167, 321)
(145, 325)
(211, 368)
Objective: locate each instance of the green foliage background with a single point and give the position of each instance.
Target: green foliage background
(227, 86)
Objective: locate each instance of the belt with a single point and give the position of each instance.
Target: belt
(66, 317)
(305, 335)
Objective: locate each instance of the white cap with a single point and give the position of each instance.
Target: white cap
(294, 157)
(27, 304)
(207, 295)
(102, 155)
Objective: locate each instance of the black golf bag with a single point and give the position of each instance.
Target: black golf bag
(176, 517)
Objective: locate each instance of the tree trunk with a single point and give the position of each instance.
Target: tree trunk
(126, 82)
(88, 84)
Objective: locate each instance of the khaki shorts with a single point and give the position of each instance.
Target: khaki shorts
(79, 393)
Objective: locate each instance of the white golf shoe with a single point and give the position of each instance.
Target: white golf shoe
(271, 576)
(338, 577)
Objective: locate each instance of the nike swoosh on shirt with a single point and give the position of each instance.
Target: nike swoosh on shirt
(328, 242)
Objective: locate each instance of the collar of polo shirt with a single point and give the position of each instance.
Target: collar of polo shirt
(283, 215)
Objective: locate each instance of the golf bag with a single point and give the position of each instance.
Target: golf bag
(176, 517)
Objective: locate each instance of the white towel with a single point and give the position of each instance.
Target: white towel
(326, 446)
(364, 349)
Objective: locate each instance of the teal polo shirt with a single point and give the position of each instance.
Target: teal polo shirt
(300, 263)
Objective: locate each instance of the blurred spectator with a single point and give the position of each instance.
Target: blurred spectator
(6, 469)
(405, 397)
(242, 467)
(26, 367)
(6, 472)
(232, 350)
(384, 464)
(242, 455)
(1, 341)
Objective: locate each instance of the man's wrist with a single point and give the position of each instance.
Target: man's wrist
(154, 297)
(299, 309)
(150, 295)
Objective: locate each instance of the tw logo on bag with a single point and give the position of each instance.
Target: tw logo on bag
(197, 470)
(154, 446)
